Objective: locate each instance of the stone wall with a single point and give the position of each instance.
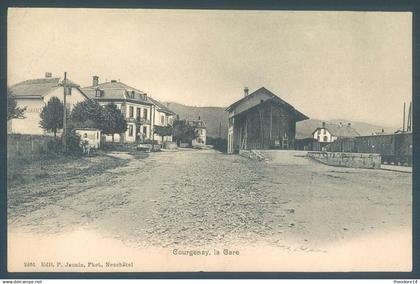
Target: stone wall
(350, 160)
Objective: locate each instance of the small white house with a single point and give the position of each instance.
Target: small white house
(330, 132)
(200, 129)
(89, 137)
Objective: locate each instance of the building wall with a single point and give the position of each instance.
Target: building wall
(128, 136)
(75, 97)
(157, 120)
(323, 135)
(201, 139)
(93, 137)
(263, 127)
(30, 124)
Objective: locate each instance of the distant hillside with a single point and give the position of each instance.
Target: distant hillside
(214, 116)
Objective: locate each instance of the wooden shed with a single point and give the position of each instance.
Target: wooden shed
(261, 120)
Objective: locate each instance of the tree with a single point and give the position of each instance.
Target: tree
(113, 121)
(163, 131)
(183, 132)
(87, 114)
(52, 115)
(13, 111)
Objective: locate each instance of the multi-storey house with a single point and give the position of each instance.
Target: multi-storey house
(134, 104)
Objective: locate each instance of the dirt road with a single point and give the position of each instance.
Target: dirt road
(200, 197)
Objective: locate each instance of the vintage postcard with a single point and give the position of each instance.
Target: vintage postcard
(144, 140)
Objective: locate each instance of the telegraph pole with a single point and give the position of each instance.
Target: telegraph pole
(403, 129)
(65, 113)
(409, 118)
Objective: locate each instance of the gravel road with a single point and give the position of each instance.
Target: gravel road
(202, 197)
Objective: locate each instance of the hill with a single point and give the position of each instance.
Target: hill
(214, 117)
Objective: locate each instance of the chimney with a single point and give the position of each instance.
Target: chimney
(340, 124)
(246, 91)
(199, 118)
(48, 75)
(323, 124)
(349, 124)
(95, 81)
(113, 81)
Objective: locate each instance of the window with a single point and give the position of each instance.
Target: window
(145, 113)
(97, 135)
(85, 135)
(98, 93)
(324, 131)
(144, 130)
(162, 119)
(325, 138)
(130, 130)
(138, 113)
(131, 111)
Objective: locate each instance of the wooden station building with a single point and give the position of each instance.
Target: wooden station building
(261, 120)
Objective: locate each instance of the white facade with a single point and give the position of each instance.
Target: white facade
(162, 119)
(323, 135)
(200, 140)
(134, 113)
(90, 136)
(30, 124)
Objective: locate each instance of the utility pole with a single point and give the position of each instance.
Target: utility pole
(409, 118)
(403, 129)
(65, 113)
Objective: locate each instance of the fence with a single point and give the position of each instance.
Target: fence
(28, 146)
(393, 148)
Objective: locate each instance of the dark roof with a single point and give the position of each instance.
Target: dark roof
(300, 116)
(343, 130)
(38, 88)
(197, 123)
(162, 107)
(116, 91)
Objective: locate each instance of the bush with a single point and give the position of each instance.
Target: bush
(73, 143)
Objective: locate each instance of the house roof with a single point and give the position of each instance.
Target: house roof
(162, 107)
(343, 130)
(274, 98)
(197, 123)
(38, 88)
(116, 91)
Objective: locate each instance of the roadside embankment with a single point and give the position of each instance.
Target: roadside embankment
(350, 160)
(252, 154)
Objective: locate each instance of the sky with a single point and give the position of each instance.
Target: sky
(329, 65)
